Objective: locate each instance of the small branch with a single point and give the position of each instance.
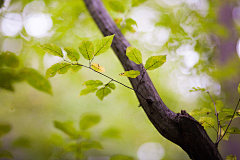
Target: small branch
(107, 77)
(218, 121)
(230, 121)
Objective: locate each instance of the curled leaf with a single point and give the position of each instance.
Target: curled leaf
(130, 74)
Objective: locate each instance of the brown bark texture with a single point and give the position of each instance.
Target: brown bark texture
(179, 128)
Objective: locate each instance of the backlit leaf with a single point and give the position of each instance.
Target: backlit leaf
(6, 154)
(103, 45)
(87, 50)
(93, 83)
(200, 111)
(229, 111)
(111, 86)
(75, 68)
(111, 133)
(67, 128)
(121, 157)
(52, 49)
(155, 62)
(137, 2)
(103, 92)
(233, 130)
(231, 157)
(60, 68)
(89, 120)
(131, 73)
(10, 59)
(87, 91)
(229, 117)
(72, 54)
(219, 105)
(97, 67)
(207, 122)
(4, 129)
(86, 145)
(36, 80)
(117, 5)
(194, 89)
(134, 54)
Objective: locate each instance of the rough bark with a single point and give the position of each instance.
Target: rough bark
(180, 128)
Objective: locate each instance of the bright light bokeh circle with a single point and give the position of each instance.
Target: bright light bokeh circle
(38, 24)
(12, 24)
(151, 151)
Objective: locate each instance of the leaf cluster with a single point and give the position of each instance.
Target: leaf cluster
(11, 72)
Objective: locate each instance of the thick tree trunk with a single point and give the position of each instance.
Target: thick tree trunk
(180, 128)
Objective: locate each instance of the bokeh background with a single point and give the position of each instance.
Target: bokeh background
(200, 38)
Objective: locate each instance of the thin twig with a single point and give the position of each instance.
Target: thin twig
(230, 121)
(107, 77)
(218, 121)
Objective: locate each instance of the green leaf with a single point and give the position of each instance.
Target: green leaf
(23, 142)
(103, 45)
(197, 89)
(4, 129)
(155, 62)
(103, 92)
(111, 133)
(111, 86)
(135, 3)
(93, 83)
(86, 145)
(7, 77)
(233, 130)
(200, 111)
(87, 91)
(67, 128)
(72, 54)
(134, 54)
(36, 80)
(6, 154)
(121, 157)
(131, 73)
(231, 157)
(56, 140)
(219, 105)
(229, 111)
(89, 120)
(87, 50)
(229, 117)
(117, 5)
(75, 68)
(207, 122)
(11, 60)
(239, 88)
(129, 25)
(60, 68)
(52, 49)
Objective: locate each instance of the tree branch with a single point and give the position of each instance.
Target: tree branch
(181, 128)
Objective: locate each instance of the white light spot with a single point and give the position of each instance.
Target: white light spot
(145, 18)
(49, 60)
(150, 151)
(13, 45)
(238, 48)
(38, 24)
(169, 2)
(12, 24)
